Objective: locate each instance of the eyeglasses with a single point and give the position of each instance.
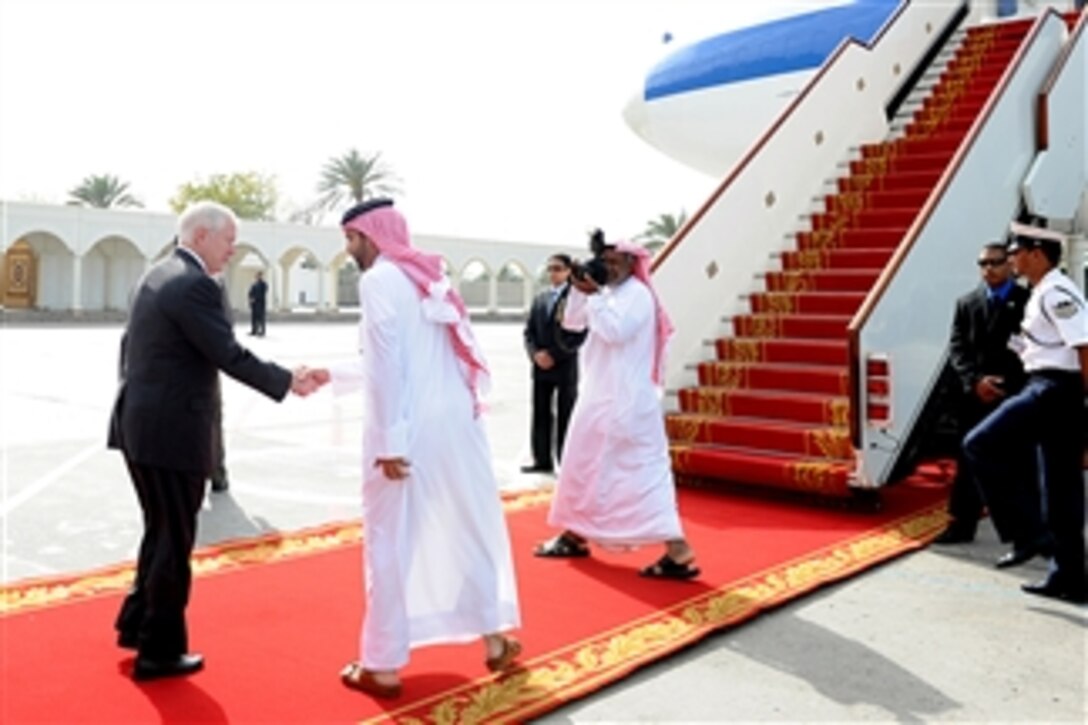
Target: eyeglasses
(992, 262)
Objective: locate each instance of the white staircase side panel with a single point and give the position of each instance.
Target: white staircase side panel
(909, 321)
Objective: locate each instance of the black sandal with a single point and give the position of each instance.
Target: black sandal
(668, 568)
(563, 546)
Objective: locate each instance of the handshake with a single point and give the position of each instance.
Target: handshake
(306, 380)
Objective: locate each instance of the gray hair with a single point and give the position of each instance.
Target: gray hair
(209, 215)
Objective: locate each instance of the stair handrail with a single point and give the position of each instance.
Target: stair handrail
(1042, 112)
(889, 274)
(1053, 188)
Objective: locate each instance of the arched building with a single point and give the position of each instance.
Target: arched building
(80, 259)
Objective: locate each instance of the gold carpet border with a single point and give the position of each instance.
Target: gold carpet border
(219, 558)
(579, 668)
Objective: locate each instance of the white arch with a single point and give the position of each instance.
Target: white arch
(110, 269)
(513, 287)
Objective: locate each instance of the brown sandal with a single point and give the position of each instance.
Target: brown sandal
(511, 648)
(355, 677)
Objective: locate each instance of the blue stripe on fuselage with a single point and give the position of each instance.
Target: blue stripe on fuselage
(791, 44)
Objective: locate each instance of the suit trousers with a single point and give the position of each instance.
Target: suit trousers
(564, 391)
(153, 613)
(1043, 420)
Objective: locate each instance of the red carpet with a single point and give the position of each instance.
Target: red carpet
(772, 409)
(277, 618)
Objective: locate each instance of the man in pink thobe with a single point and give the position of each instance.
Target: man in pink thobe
(616, 486)
(437, 552)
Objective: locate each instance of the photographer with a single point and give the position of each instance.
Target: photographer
(616, 487)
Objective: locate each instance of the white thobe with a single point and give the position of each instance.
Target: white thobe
(616, 486)
(438, 566)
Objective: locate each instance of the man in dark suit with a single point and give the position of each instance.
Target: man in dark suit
(988, 372)
(176, 341)
(258, 297)
(554, 355)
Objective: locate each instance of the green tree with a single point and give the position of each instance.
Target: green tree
(102, 192)
(249, 195)
(351, 178)
(659, 231)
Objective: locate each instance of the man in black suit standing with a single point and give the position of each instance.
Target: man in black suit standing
(554, 355)
(176, 341)
(988, 372)
(258, 308)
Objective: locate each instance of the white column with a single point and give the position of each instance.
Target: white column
(77, 284)
(493, 292)
(322, 291)
(284, 273)
(333, 274)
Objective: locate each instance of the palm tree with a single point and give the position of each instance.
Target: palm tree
(659, 231)
(103, 192)
(353, 177)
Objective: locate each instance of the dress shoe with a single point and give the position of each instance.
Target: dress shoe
(1054, 590)
(537, 469)
(152, 669)
(1019, 555)
(219, 485)
(955, 535)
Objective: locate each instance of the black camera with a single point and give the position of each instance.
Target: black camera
(593, 268)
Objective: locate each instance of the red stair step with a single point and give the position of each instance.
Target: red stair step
(851, 239)
(794, 326)
(836, 259)
(821, 379)
(829, 303)
(822, 280)
(799, 407)
(913, 163)
(907, 198)
(754, 433)
(761, 468)
(865, 219)
(774, 350)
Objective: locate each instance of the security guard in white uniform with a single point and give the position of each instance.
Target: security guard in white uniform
(1047, 416)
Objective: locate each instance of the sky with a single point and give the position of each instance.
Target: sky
(501, 118)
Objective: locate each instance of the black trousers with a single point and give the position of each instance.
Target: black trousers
(256, 320)
(153, 613)
(1043, 421)
(564, 391)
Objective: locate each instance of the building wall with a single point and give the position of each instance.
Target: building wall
(89, 259)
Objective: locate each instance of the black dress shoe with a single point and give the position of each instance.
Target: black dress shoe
(955, 535)
(150, 669)
(537, 469)
(1054, 590)
(1017, 556)
(219, 485)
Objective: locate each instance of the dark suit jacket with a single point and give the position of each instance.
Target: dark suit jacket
(177, 339)
(543, 332)
(980, 339)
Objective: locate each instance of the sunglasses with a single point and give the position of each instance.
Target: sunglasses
(992, 262)
(556, 268)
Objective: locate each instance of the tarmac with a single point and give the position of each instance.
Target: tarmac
(935, 636)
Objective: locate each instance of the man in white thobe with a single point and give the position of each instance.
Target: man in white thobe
(616, 486)
(438, 565)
